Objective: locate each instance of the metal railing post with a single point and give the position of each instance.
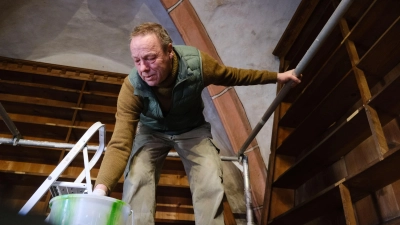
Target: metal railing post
(247, 191)
(10, 124)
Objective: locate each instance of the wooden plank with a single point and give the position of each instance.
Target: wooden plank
(48, 69)
(314, 208)
(158, 221)
(14, 83)
(271, 167)
(281, 200)
(347, 205)
(361, 156)
(324, 179)
(53, 122)
(29, 154)
(366, 211)
(380, 173)
(37, 110)
(58, 104)
(354, 59)
(229, 218)
(376, 130)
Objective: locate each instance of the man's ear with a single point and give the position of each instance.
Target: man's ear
(170, 51)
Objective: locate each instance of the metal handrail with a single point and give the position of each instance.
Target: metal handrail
(326, 30)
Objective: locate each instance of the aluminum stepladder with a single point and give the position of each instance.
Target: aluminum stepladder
(57, 187)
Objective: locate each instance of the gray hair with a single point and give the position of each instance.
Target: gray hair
(153, 28)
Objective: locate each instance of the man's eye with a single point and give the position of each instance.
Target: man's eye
(151, 58)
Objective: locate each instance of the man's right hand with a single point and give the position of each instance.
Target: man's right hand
(287, 76)
(100, 190)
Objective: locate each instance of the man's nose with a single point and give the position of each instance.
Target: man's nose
(143, 66)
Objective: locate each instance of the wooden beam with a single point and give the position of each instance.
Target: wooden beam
(347, 205)
(47, 121)
(52, 87)
(229, 218)
(228, 105)
(376, 130)
(58, 104)
(354, 59)
(48, 69)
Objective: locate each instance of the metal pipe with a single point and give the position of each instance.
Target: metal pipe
(47, 144)
(326, 30)
(23, 142)
(10, 124)
(247, 191)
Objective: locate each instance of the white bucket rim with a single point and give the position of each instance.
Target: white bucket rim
(87, 196)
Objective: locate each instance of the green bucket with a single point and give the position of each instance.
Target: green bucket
(84, 209)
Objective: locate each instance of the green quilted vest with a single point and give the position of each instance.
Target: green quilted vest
(186, 112)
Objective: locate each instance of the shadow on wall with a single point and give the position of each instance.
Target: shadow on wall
(116, 13)
(27, 24)
(123, 12)
(39, 29)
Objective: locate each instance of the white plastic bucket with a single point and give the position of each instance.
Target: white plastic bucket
(83, 209)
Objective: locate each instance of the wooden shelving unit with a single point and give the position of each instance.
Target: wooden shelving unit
(336, 156)
(58, 103)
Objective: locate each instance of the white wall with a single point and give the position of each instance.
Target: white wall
(245, 32)
(95, 34)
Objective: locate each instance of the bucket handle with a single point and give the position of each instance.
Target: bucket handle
(131, 214)
(87, 170)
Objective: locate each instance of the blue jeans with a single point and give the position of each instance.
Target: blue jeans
(202, 165)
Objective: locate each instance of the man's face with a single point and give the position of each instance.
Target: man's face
(151, 62)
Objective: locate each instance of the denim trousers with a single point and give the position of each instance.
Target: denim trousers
(202, 165)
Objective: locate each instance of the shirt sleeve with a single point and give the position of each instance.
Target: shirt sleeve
(217, 74)
(119, 148)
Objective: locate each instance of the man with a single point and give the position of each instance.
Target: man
(159, 108)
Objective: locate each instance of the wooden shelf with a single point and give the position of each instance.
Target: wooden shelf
(384, 101)
(311, 209)
(293, 48)
(323, 82)
(383, 56)
(341, 124)
(377, 18)
(334, 106)
(377, 175)
(58, 104)
(342, 139)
